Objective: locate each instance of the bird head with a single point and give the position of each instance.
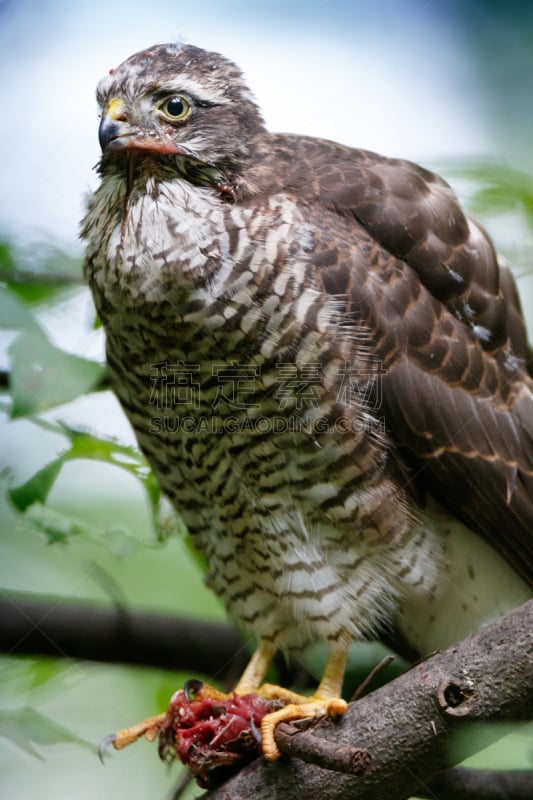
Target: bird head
(179, 104)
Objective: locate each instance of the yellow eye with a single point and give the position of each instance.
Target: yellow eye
(174, 108)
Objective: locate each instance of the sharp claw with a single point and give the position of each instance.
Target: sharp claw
(254, 731)
(191, 688)
(104, 745)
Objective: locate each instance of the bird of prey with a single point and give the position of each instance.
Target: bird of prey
(325, 363)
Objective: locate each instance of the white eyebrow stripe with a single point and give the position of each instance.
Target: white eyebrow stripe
(183, 83)
(113, 84)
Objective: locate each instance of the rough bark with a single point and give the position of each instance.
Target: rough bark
(408, 731)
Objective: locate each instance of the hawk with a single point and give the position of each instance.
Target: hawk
(324, 362)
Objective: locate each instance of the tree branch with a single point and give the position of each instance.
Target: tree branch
(410, 730)
(437, 703)
(461, 783)
(62, 629)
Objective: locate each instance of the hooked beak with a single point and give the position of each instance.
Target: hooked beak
(116, 133)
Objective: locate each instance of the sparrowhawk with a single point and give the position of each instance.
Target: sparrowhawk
(324, 362)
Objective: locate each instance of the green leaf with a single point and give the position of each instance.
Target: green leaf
(501, 189)
(13, 313)
(56, 526)
(26, 727)
(7, 260)
(41, 671)
(43, 376)
(97, 448)
(37, 488)
(39, 273)
(32, 290)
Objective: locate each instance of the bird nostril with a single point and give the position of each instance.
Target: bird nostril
(116, 110)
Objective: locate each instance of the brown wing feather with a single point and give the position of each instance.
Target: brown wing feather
(445, 319)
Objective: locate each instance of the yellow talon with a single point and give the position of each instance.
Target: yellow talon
(149, 728)
(326, 700)
(313, 707)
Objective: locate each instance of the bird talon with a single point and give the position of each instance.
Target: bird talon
(192, 687)
(197, 690)
(256, 733)
(336, 707)
(104, 745)
(149, 728)
(313, 707)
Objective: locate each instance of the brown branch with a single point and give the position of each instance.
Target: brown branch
(345, 758)
(63, 629)
(461, 783)
(408, 728)
(418, 713)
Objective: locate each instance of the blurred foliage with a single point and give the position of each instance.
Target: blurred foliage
(500, 189)
(26, 727)
(39, 274)
(43, 376)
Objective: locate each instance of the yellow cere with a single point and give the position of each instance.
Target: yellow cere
(115, 109)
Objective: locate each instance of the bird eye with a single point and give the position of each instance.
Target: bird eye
(175, 108)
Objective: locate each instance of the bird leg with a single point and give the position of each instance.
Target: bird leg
(253, 676)
(326, 700)
(148, 727)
